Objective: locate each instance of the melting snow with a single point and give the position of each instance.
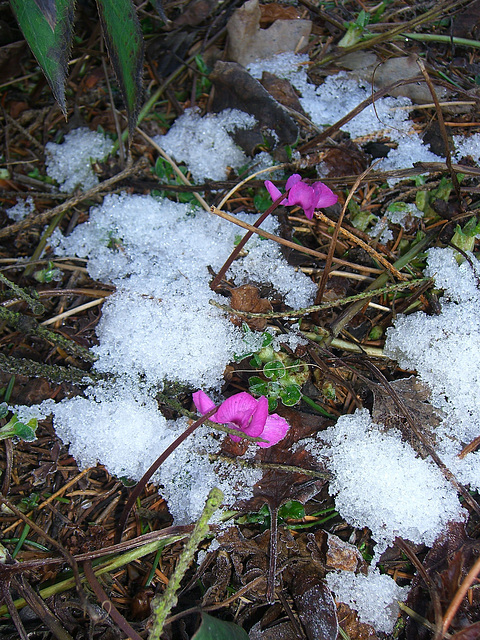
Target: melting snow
(70, 163)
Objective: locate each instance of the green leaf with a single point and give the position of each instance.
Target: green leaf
(51, 47)
(24, 431)
(123, 37)
(290, 395)
(257, 386)
(3, 410)
(214, 629)
(291, 510)
(274, 370)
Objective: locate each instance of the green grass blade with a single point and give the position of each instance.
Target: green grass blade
(51, 47)
(124, 40)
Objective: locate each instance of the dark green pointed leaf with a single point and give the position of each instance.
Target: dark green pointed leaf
(50, 47)
(124, 40)
(49, 11)
(214, 629)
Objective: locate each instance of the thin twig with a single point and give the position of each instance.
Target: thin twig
(287, 243)
(443, 131)
(459, 596)
(46, 216)
(325, 305)
(366, 247)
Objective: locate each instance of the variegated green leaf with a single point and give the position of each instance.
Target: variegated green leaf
(49, 38)
(123, 37)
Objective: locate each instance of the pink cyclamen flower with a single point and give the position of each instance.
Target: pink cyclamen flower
(312, 197)
(242, 411)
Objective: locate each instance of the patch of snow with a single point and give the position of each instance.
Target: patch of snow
(124, 429)
(203, 143)
(339, 95)
(374, 596)
(70, 163)
(467, 146)
(444, 350)
(159, 324)
(380, 483)
(23, 208)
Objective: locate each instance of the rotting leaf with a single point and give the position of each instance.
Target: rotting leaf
(315, 605)
(352, 626)
(274, 11)
(282, 90)
(415, 395)
(340, 554)
(247, 42)
(281, 631)
(247, 298)
(235, 88)
(345, 159)
(124, 40)
(446, 564)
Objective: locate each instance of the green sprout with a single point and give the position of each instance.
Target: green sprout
(49, 274)
(165, 173)
(17, 429)
(464, 238)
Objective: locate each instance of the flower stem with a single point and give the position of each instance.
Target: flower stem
(218, 278)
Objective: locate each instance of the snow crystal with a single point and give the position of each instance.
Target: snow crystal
(203, 143)
(284, 65)
(293, 339)
(374, 596)
(115, 426)
(401, 214)
(23, 208)
(444, 350)
(70, 163)
(467, 146)
(188, 475)
(380, 483)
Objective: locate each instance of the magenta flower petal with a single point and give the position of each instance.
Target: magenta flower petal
(259, 418)
(303, 195)
(324, 197)
(275, 430)
(203, 403)
(237, 410)
(293, 179)
(273, 191)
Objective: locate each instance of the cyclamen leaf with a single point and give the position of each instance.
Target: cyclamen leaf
(49, 10)
(50, 46)
(214, 629)
(123, 37)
